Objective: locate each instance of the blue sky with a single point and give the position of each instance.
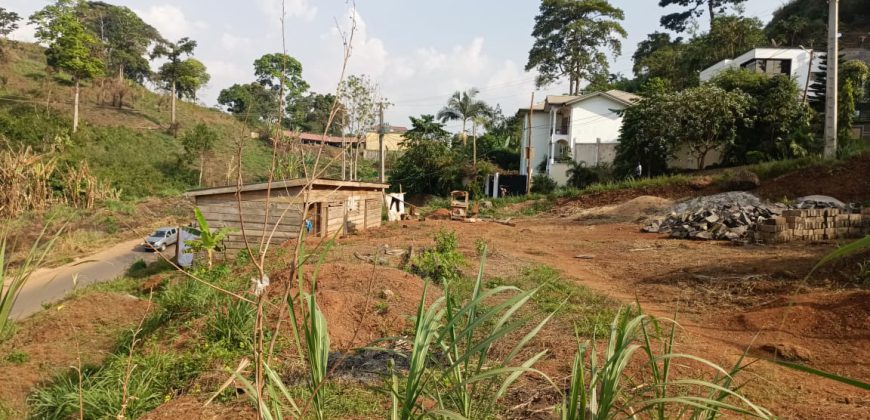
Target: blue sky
(418, 51)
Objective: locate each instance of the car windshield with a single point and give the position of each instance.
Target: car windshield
(159, 233)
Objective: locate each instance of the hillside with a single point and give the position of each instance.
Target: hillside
(128, 147)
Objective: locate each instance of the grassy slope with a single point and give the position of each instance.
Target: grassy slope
(128, 147)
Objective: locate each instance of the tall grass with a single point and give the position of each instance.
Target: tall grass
(603, 389)
(451, 362)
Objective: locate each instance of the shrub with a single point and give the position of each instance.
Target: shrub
(442, 263)
(580, 176)
(542, 184)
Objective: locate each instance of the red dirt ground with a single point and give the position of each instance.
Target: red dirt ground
(728, 299)
(50, 339)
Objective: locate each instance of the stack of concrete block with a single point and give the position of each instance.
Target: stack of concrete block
(814, 224)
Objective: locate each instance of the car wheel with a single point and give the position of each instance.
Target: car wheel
(162, 247)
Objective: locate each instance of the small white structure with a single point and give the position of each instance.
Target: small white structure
(567, 128)
(794, 62)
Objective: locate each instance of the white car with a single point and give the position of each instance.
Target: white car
(161, 238)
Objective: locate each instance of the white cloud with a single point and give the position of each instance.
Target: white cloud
(223, 74)
(171, 21)
(232, 42)
(24, 33)
(292, 8)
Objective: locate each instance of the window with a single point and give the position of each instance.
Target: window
(768, 66)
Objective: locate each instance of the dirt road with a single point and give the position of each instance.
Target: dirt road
(50, 285)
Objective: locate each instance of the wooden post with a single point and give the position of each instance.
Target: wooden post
(177, 244)
(381, 145)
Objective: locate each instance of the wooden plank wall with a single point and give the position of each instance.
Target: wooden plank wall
(342, 210)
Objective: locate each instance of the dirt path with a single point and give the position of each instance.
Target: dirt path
(49, 285)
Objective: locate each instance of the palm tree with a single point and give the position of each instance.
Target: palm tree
(463, 106)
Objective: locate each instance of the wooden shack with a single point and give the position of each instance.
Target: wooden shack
(333, 207)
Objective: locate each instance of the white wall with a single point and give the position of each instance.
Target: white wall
(594, 119)
(800, 63)
(540, 140)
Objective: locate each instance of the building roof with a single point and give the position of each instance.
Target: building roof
(538, 107)
(320, 138)
(391, 129)
(614, 94)
(290, 183)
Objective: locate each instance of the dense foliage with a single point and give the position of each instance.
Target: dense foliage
(572, 38)
(778, 120)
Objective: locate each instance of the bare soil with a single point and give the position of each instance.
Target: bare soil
(728, 299)
(53, 340)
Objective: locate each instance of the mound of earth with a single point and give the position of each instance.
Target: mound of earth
(848, 181)
(637, 209)
(363, 303)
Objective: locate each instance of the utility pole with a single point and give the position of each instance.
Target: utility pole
(831, 87)
(381, 131)
(528, 151)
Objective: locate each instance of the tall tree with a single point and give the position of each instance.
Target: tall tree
(463, 106)
(192, 76)
(125, 37)
(8, 22)
(71, 48)
(250, 102)
(425, 127)
(311, 113)
(679, 21)
(173, 69)
(273, 70)
(360, 97)
(572, 38)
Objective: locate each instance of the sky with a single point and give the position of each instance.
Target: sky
(419, 52)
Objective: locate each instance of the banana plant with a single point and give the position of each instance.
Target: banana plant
(208, 240)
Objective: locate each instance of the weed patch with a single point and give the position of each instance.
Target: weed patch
(589, 311)
(442, 263)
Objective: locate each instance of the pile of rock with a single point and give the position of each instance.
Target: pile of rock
(727, 216)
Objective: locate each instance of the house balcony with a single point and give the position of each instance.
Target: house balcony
(561, 135)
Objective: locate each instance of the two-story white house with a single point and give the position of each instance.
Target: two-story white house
(573, 128)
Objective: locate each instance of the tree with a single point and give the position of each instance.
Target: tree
(428, 165)
(275, 70)
(311, 113)
(192, 75)
(853, 82)
(660, 56)
(170, 72)
(425, 127)
(71, 48)
(679, 21)
(571, 38)
(125, 37)
(250, 102)
(198, 142)
(463, 106)
(707, 118)
(8, 22)
(360, 99)
(778, 121)
(645, 136)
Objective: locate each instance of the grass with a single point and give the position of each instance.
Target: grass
(589, 311)
(17, 357)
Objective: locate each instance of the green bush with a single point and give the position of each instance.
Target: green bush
(542, 184)
(440, 264)
(580, 176)
(17, 357)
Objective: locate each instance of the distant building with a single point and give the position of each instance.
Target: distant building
(568, 129)
(793, 62)
(393, 137)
